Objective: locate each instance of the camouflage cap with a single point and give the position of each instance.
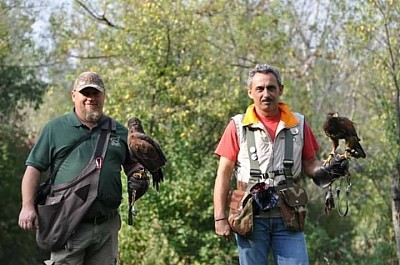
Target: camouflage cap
(89, 79)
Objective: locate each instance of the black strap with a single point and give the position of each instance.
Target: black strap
(53, 173)
(104, 130)
(101, 147)
(288, 159)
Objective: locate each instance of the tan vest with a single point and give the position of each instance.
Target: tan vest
(270, 153)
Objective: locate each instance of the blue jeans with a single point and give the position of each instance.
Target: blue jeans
(288, 248)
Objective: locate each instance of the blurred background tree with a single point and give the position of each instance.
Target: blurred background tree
(20, 88)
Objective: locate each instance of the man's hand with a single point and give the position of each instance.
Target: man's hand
(28, 219)
(222, 228)
(324, 176)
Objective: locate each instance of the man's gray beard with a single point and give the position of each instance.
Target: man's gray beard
(93, 116)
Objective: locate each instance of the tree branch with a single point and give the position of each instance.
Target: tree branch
(99, 18)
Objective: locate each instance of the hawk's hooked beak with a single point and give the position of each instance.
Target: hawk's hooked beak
(335, 115)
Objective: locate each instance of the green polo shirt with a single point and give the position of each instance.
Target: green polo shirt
(60, 134)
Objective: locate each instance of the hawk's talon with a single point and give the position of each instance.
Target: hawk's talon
(346, 154)
(329, 159)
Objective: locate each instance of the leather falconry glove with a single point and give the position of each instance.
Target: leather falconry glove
(138, 182)
(326, 175)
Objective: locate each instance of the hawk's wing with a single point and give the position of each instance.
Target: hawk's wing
(337, 128)
(332, 130)
(147, 152)
(351, 138)
(347, 127)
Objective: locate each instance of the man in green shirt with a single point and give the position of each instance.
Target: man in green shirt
(95, 240)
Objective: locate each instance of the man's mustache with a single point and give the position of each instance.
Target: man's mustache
(269, 99)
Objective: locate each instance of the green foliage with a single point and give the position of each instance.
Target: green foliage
(18, 84)
(20, 87)
(16, 245)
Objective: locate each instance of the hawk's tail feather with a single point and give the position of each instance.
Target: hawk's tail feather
(158, 177)
(357, 151)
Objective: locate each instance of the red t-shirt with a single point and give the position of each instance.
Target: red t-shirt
(229, 145)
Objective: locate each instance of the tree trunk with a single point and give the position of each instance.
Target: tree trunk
(396, 209)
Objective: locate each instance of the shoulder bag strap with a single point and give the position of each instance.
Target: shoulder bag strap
(53, 173)
(288, 159)
(102, 143)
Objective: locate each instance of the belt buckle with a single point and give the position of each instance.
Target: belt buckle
(95, 221)
(100, 219)
(104, 218)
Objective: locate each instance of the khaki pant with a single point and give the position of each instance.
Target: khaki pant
(90, 244)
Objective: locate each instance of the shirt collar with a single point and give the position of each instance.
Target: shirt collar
(287, 116)
(73, 119)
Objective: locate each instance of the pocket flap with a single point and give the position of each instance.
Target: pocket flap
(295, 196)
(51, 200)
(238, 198)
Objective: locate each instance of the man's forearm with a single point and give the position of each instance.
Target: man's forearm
(221, 191)
(28, 187)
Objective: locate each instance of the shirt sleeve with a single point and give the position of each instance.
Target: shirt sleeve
(311, 146)
(39, 156)
(229, 145)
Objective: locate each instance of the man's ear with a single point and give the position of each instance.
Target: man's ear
(249, 93)
(281, 90)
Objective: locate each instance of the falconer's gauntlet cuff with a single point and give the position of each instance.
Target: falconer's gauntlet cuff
(325, 175)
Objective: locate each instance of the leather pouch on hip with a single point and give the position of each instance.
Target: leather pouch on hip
(241, 212)
(293, 202)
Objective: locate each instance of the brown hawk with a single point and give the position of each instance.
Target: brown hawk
(146, 151)
(337, 128)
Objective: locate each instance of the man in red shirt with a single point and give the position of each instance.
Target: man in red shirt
(267, 117)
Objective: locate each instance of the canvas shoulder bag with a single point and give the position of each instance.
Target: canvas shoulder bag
(67, 203)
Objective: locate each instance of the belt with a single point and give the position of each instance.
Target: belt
(274, 212)
(97, 220)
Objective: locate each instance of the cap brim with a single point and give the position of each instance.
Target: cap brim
(99, 88)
